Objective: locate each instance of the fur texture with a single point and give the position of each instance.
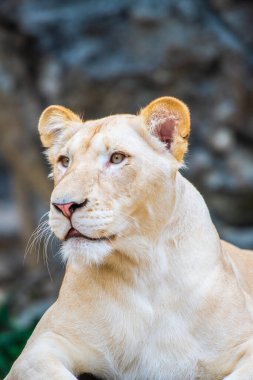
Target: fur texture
(156, 295)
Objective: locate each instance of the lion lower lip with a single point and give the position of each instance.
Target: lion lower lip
(73, 233)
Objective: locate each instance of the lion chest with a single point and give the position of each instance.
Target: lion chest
(138, 340)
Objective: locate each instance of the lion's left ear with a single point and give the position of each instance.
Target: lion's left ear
(169, 119)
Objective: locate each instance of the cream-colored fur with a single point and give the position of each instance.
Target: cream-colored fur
(161, 297)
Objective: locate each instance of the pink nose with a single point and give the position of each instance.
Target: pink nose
(66, 208)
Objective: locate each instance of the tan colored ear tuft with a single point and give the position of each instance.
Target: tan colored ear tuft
(169, 119)
(52, 121)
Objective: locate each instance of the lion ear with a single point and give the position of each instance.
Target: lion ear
(169, 119)
(53, 121)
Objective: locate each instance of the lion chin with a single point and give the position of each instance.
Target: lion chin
(80, 251)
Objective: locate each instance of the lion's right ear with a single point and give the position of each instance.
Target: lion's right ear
(53, 121)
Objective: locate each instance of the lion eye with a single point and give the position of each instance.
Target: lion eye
(117, 158)
(64, 160)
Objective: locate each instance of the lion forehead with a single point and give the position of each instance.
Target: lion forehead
(102, 135)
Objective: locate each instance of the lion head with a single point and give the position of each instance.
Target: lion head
(114, 177)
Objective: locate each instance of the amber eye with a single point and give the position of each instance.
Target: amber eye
(64, 160)
(117, 158)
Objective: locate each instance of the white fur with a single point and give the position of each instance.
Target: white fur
(80, 252)
(161, 300)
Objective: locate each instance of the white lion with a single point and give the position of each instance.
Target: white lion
(150, 291)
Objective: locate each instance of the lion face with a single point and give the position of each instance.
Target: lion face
(114, 177)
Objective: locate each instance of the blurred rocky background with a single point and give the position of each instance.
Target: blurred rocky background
(100, 57)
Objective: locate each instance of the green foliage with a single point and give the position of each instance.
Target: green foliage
(12, 339)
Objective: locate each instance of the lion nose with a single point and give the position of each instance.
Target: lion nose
(67, 209)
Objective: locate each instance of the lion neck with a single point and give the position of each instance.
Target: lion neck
(184, 230)
(193, 247)
(190, 225)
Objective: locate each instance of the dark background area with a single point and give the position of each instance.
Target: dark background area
(100, 57)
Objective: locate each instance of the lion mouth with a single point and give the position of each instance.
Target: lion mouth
(73, 233)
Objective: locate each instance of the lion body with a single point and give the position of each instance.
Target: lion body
(164, 297)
